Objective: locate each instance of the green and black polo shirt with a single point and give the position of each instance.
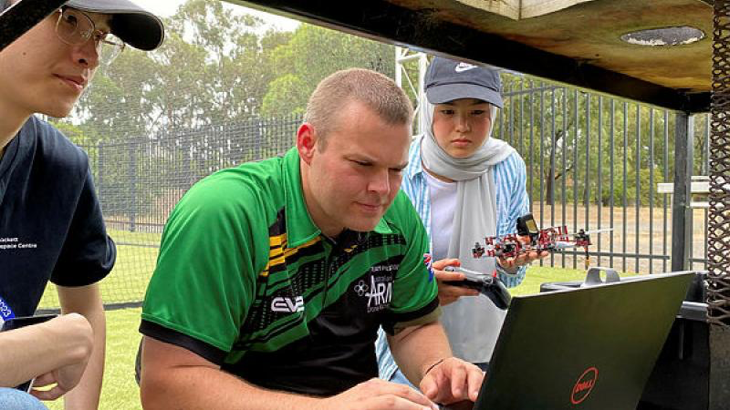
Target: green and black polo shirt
(246, 280)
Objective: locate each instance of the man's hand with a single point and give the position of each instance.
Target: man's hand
(448, 293)
(525, 258)
(377, 394)
(451, 381)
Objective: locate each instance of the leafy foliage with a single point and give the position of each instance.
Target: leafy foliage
(587, 148)
(217, 65)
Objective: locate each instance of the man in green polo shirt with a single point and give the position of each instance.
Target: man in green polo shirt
(273, 277)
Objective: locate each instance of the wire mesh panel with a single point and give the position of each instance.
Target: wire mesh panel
(140, 181)
(719, 215)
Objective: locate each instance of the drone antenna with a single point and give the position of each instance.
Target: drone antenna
(598, 231)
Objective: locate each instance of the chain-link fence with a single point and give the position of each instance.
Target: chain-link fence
(140, 181)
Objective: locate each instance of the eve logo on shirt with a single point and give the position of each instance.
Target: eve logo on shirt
(287, 305)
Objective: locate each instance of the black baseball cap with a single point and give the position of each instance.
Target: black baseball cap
(449, 80)
(134, 25)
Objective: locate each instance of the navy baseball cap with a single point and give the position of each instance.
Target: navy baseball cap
(134, 25)
(449, 80)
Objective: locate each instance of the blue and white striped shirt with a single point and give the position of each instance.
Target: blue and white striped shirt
(510, 177)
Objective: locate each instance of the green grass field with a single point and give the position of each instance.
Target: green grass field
(132, 271)
(120, 391)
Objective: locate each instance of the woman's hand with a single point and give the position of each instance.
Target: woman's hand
(448, 293)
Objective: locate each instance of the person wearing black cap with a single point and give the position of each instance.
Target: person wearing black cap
(51, 227)
(465, 185)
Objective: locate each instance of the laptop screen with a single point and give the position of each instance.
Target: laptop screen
(585, 348)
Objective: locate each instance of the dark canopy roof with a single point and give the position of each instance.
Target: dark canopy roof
(579, 45)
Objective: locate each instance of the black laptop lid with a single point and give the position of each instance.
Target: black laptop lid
(587, 348)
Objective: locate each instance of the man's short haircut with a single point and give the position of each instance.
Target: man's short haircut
(374, 90)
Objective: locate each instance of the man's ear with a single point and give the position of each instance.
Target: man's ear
(306, 142)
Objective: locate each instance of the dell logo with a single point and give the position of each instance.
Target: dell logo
(584, 385)
(287, 305)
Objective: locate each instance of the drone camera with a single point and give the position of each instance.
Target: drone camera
(526, 225)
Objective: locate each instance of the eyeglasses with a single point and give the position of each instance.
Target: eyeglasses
(75, 28)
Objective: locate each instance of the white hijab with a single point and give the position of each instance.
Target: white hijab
(475, 216)
(472, 323)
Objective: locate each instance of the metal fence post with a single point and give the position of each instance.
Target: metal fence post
(681, 213)
(133, 187)
(260, 138)
(100, 172)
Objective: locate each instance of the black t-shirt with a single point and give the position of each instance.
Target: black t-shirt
(51, 227)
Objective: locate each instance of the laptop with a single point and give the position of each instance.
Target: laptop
(586, 348)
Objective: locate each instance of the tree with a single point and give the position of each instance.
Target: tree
(237, 72)
(577, 139)
(212, 68)
(287, 95)
(119, 103)
(74, 133)
(311, 54)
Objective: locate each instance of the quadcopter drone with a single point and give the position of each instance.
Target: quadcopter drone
(551, 239)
